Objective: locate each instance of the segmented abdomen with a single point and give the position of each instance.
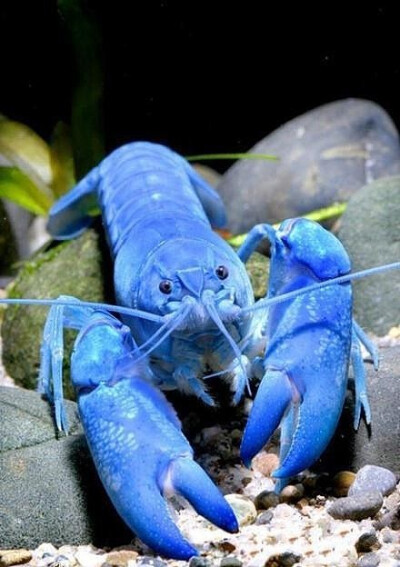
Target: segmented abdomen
(144, 182)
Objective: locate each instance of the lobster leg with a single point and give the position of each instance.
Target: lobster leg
(361, 401)
(52, 351)
(132, 431)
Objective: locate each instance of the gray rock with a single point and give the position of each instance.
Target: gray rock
(367, 542)
(199, 562)
(266, 499)
(324, 155)
(372, 477)
(231, 562)
(390, 520)
(49, 489)
(369, 230)
(378, 444)
(358, 507)
(369, 560)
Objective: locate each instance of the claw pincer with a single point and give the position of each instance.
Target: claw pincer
(309, 341)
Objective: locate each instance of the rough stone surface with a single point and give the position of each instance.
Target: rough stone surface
(369, 230)
(363, 505)
(49, 274)
(372, 477)
(49, 489)
(378, 444)
(324, 155)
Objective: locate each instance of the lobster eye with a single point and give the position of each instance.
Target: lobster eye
(165, 286)
(222, 272)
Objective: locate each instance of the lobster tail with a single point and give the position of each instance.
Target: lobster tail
(73, 212)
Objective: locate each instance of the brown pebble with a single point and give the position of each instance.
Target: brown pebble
(303, 505)
(286, 559)
(14, 557)
(266, 499)
(341, 482)
(121, 558)
(292, 493)
(226, 545)
(265, 463)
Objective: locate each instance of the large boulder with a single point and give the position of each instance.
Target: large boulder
(369, 230)
(378, 444)
(72, 268)
(49, 488)
(325, 156)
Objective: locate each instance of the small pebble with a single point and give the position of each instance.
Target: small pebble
(367, 542)
(231, 562)
(390, 536)
(199, 562)
(151, 562)
(363, 505)
(390, 519)
(286, 559)
(341, 482)
(368, 560)
(264, 518)
(265, 463)
(88, 558)
(266, 499)
(292, 493)
(14, 557)
(243, 507)
(121, 558)
(210, 433)
(372, 477)
(226, 546)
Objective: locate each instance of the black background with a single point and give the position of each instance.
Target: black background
(201, 76)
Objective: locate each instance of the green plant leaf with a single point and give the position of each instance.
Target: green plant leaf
(17, 187)
(202, 157)
(62, 160)
(319, 215)
(22, 147)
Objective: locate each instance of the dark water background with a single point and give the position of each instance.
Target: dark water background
(201, 76)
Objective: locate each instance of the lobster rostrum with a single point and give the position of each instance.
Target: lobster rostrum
(187, 311)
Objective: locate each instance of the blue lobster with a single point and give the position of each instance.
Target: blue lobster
(187, 311)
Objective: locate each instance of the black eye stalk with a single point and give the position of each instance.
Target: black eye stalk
(165, 287)
(222, 272)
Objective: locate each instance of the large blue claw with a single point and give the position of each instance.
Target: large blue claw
(136, 440)
(141, 455)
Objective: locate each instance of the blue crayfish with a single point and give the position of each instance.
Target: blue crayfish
(187, 311)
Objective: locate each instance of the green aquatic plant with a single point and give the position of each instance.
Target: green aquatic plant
(33, 174)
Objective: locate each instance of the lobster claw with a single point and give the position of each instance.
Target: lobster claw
(309, 416)
(142, 456)
(137, 444)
